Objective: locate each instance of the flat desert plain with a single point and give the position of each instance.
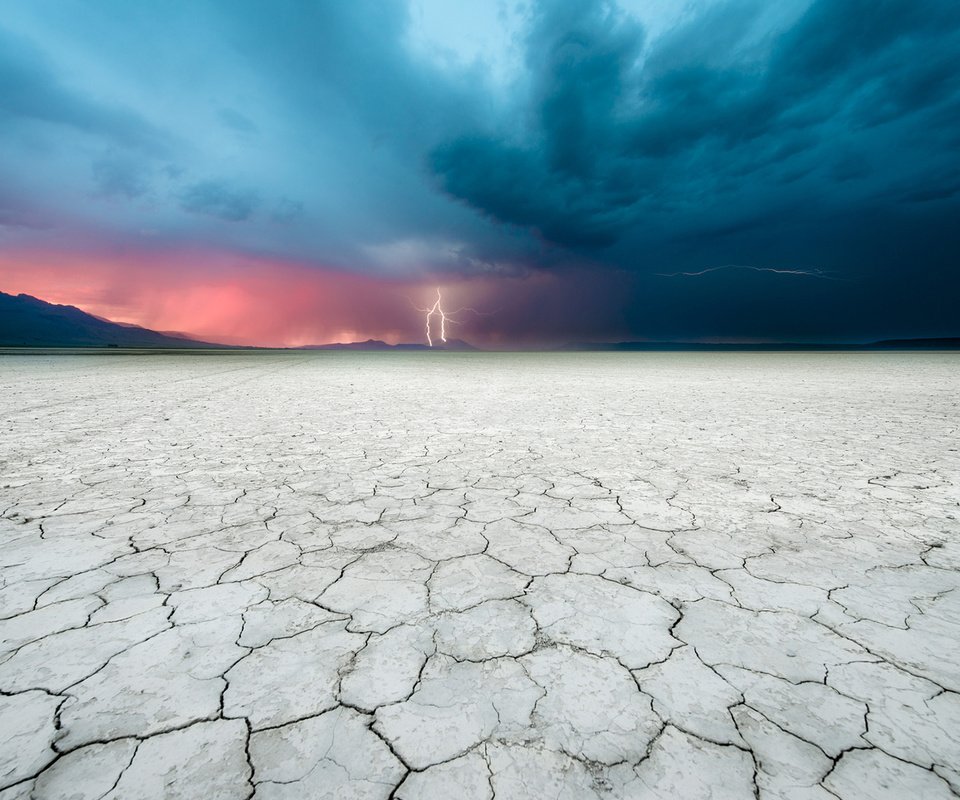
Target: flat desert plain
(441, 575)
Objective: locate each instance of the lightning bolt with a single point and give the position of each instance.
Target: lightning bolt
(434, 310)
(810, 273)
(446, 317)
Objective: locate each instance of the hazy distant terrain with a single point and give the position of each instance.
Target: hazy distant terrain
(27, 321)
(342, 575)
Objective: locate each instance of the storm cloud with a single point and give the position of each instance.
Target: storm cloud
(856, 102)
(640, 145)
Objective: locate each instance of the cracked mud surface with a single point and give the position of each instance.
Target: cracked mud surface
(476, 576)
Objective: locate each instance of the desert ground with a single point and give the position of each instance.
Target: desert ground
(441, 575)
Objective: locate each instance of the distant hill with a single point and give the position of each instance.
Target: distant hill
(949, 343)
(943, 343)
(26, 321)
(377, 344)
(370, 344)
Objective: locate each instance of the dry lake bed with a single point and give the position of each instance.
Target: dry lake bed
(439, 575)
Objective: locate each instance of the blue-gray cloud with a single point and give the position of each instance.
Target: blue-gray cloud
(219, 199)
(30, 90)
(236, 121)
(120, 176)
(287, 210)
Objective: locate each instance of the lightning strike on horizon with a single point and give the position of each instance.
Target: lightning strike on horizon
(436, 308)
(446, 317)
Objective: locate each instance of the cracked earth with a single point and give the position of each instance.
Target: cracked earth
(476, 576)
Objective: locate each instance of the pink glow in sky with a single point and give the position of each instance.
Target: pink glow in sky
(224, 297)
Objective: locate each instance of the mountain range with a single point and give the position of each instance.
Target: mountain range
(27, 321)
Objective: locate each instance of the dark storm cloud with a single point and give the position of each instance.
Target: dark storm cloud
(563, 178)
(614, 141)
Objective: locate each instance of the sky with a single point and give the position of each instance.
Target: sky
(288, 173)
